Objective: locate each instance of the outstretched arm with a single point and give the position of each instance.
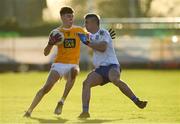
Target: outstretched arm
(101, 46)
(98, 46)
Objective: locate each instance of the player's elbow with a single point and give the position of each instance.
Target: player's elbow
(47, 50)
(46, 53)
(103, 48)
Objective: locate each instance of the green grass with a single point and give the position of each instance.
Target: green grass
(108, 105)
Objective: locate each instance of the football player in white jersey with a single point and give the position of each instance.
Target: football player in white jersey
(107, 68)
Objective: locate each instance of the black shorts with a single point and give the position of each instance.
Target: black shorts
(104, 72)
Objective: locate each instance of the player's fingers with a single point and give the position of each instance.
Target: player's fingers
(51, 35)
(113, 37)
(51, 39)
(113, 33)
(110, 30)
(57, 36)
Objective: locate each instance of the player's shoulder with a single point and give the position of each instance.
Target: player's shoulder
(77, 27)
(103, 31)
(58, 28)
(73, 27)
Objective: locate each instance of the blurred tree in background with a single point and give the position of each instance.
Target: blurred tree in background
(164, 8)
(145, 6)
(80, 7)
(24, 13)
(21, 14)
(107, 8)
(128, 8)
(119, 8)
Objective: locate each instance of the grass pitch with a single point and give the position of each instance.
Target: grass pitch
(108, 105)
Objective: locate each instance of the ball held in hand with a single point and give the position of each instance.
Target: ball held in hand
(56, 37)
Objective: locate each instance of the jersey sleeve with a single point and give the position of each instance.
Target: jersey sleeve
(105, 36)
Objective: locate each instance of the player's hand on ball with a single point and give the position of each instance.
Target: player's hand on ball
(112, 33)
(55, 38)
(84, 38)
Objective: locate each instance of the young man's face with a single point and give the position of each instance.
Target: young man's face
(67, 19)
(90, 24)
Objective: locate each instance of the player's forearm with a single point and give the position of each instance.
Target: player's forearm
(98, 46)
(47, 49)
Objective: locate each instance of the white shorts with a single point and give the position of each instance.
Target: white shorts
(62, 68)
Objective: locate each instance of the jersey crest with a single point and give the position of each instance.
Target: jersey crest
(69, 43)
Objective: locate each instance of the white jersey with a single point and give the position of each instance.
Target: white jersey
(108, 56)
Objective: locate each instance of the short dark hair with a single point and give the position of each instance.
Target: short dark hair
(93, 15)
(66, 10)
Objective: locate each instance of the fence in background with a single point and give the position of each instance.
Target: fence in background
(142, 42)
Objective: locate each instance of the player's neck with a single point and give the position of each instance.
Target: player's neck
(66, 26)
